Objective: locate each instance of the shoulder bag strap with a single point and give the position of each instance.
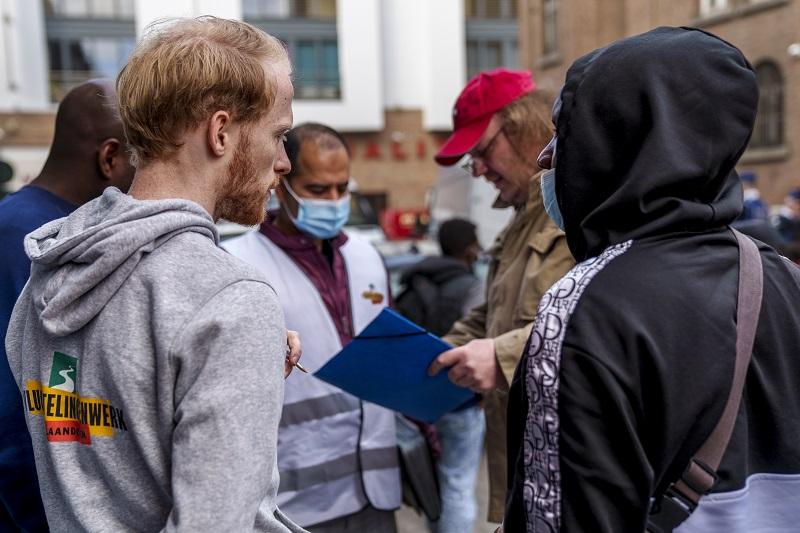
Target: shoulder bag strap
(700, 476)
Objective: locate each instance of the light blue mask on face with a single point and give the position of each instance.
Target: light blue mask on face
(548, 184)
(322, 219)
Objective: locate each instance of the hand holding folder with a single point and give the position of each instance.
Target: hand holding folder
(387, 364)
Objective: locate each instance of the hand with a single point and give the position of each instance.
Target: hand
(293, 352)
(473, 365)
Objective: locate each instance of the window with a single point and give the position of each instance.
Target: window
(549, 28)
(491, 31)
(100, 9)
(308, 28)
(285, 9)
(714, 7)
(768, 130)
(86, 39)
(711, 7)
(490, 9)
(73, 61)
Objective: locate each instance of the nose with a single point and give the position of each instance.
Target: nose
(545, 159)
(479, 167)
(282, 164)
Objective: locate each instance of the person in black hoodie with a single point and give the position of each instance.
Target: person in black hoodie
(437, 291)
(630, 361)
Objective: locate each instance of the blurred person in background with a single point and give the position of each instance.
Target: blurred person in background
(500, 123)
(754, 220)
(787, 220)
(151, 362)
(337, 454)
(437, 291)
(754, 206)
(88, 154)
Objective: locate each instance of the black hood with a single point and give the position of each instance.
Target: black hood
(649, 132)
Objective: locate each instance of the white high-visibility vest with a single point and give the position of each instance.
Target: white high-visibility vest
(336, 453)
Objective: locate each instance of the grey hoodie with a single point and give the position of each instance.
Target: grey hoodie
(151, 368)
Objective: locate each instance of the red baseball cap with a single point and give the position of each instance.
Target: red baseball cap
(485, 94)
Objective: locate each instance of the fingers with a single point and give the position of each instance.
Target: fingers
(462, 376)
(293, 351)
(293, 358)
(295, 347)
(448, 358)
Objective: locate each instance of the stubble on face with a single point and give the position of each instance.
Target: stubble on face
(244, 196)
(247, 189)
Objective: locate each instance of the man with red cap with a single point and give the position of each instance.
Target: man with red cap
(500, 124)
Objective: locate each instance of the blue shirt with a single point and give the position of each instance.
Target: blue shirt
(20, 214)
(754, 209)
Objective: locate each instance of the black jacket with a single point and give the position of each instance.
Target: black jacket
(435, 291)
(631, 357)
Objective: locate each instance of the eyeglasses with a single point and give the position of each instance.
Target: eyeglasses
(469, 162)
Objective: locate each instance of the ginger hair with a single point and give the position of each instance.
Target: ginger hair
(528, 124)
(184, 70)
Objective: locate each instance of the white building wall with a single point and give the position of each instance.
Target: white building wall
(393, 54)
(448, 62)
(396, 54)
(23, 57)
(360, 68)
(147, 11)
(424, 57)
(406, 56)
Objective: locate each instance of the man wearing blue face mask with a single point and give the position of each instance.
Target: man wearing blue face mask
(336, 454)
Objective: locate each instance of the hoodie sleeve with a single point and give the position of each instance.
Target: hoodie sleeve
(606, 478)
(228, 363)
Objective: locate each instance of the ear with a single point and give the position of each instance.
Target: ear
(219, 133)
(107, 157)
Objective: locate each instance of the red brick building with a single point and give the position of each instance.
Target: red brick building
(553, 33)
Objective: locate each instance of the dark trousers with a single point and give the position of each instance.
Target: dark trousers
(367, 519)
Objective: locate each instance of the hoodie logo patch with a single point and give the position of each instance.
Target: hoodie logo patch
(63, 372)
(68, 417)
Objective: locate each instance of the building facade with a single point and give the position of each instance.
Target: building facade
(556, 32)
(384, 72)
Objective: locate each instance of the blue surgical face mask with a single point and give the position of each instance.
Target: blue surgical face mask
(548, 184)
(322, 219)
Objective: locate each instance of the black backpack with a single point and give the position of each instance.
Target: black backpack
(435, 307)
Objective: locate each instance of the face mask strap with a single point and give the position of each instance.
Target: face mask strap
(301, 201)
(291, 191)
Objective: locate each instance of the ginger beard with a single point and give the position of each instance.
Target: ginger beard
(244, 194)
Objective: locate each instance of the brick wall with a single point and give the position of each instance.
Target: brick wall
(762, 31)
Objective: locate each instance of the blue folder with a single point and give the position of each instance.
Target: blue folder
(387, 364)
